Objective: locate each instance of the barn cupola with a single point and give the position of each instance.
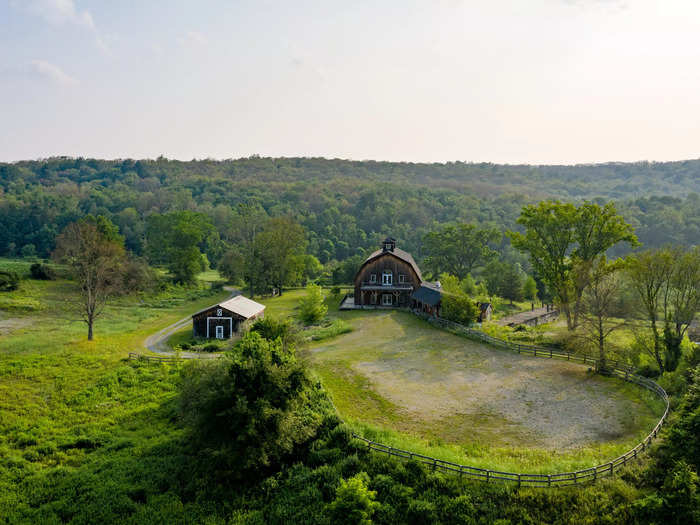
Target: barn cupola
(389, 244)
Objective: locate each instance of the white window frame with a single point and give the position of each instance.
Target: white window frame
(373, 278)
(402, 278)
(230, 324)
(387, 278)
(219, 331)
(388, 296)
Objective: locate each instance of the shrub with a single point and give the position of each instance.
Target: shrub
(271, 328)
(354, 503)
(337, 327)
(311, 307)
(253, 408)
(42, 272)
(459, 309)
(9, 280)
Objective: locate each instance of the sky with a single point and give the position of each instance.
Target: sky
(519, 81)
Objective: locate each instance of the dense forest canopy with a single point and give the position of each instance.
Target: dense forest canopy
(345, 206)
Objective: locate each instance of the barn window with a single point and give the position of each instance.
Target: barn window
(402, 278)
(386, 299)
(373, 278)
(219, 312)
(387, 278)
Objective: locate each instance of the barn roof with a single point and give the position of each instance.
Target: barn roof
(239, 305)
(397, 252)
(428, 293)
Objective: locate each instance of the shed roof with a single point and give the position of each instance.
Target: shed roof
(397, 252)
(239, 305)
(428, 293)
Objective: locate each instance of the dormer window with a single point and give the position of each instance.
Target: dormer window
(387, 278)
(373, 278)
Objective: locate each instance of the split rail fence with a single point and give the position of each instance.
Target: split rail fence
(614, 368)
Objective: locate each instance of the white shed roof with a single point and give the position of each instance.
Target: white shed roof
(238, 305)
(243, 306)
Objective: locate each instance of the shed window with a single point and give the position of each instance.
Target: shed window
(402, 278)
(373, 278)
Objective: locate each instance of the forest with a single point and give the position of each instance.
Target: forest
(345, 207)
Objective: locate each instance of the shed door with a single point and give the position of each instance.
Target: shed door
(219, 332)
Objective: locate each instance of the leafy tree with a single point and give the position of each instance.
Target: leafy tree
(354, 503)
(175, 239)
(28, 250)
(469, 286)
(649, 273)
(504, 280)
(311, 307)
(598, 307)
(94, 252)
(458, 248)
(682, 300)
(564, 241)
(530, 288)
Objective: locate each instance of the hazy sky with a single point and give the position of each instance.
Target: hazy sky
(536, 81)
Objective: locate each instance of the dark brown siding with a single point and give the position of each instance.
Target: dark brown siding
(199, 323)
(385, 261)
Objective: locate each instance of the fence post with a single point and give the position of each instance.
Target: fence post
(549, 480)
(434, 463)
(575, 480)
(488, 473)
(611, 468)
(518, 480)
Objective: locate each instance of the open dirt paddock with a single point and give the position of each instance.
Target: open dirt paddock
(395, 370)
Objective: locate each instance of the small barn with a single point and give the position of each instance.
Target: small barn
(485, 311)
(221, 321)
(427, 299)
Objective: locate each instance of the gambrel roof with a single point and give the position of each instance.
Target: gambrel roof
(398, 253)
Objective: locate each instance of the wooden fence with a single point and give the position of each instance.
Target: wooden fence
(169, 358)
(536, 480)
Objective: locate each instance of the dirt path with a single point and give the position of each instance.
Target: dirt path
(396, 370)
(156, 343)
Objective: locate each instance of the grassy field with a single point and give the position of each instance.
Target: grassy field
(75, 413)
(78, 419)
(399, 380)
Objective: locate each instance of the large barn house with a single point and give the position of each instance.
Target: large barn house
(222, 320)
(387, 278)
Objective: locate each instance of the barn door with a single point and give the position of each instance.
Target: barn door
(219, 332)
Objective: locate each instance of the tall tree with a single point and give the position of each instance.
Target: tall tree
(649, 274)
(548, 238)
(175, 239)
(94, 252)
(564, 241)
(681, 301)
(598, 307)
(458, 248)
(596, 230)
(282, 245)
